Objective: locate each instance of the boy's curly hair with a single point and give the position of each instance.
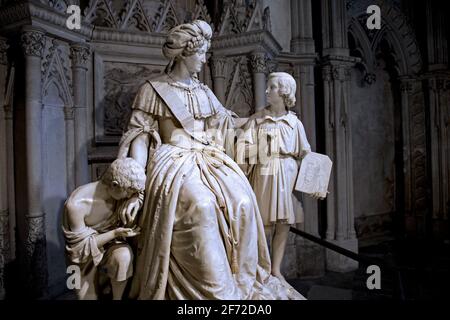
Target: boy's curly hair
(127, 172)
(287, 87)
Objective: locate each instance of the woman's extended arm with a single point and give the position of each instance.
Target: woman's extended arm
(139, 149)
(139, 152)
(140, 139)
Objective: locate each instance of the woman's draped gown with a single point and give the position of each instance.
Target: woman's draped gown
(202, 236)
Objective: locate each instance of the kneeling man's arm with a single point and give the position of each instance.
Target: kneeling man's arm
(76, 223)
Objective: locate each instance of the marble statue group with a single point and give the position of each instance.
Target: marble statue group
(185, 212)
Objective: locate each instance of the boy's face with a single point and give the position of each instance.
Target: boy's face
(273, 97)
(119, 193)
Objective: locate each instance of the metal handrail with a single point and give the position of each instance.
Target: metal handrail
(350, 254)
(355, 256)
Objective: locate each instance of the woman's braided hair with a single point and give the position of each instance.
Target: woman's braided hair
(186, 39)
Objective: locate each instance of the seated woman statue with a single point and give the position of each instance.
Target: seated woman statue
(201, 232)
(93, 232)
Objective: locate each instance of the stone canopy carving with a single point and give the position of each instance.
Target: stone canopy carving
(143, 15)
(258, 62)
(79, 54)
(33, 43)
(3, 54)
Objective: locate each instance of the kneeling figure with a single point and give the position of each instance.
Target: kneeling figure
(94, 234)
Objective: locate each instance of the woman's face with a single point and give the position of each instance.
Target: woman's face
(194, 63)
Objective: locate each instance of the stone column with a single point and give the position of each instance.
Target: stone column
(340, 215)
(9, 153)
(438, 96)
(33, 43)
(439, 105)
(336, 67)
(79, 54)
(218, 74)
(309, 255)
(70, 147)
(437, 42)
(415, 156)
(4, 212)
(301, 27)
(334, 27)
(258, 61)
(7, 216)
(302, 44)
(406, 90)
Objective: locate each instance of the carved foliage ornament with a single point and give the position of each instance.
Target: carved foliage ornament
(166, 18)
(55, 71)
(218, 66)
(258, 61)
(4, 245)
(101, 13)
(201, 12)
(33, 43)
(244, 16)
(326, 74)
(79, 55)
(239, 93)
(4, 236)
(415, 121)
(272, 66)
(36, 257)
(439, 85)
(58, 5)
(133, 14)
(36, 233)
(370, 78)
(69, 113)
(336, 73)
(3, 47)
(406, 86)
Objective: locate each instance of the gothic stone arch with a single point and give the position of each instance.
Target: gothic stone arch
(398, 36)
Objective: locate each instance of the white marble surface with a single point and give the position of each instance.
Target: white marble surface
(314, 174)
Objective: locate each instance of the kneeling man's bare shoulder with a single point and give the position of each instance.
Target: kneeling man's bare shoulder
(76, 209)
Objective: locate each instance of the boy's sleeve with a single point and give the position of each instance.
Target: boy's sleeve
(303, 147)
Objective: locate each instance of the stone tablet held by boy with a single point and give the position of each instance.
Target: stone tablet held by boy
(314, 174)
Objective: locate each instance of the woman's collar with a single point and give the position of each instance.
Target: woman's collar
(193, 85)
